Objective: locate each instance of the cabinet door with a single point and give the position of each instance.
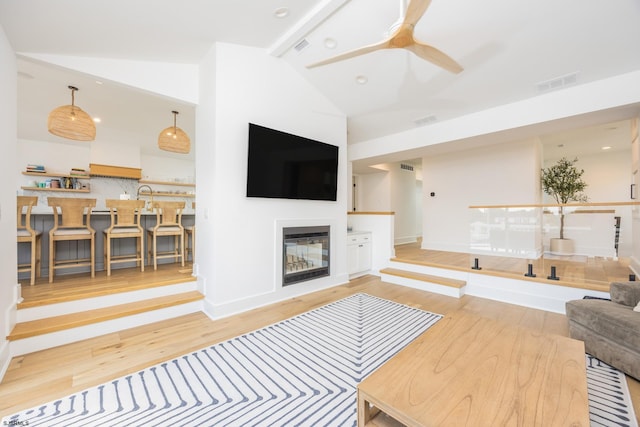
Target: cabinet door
(352, 258)
(364, 256)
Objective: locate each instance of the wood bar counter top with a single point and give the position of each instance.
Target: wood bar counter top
(468, 370)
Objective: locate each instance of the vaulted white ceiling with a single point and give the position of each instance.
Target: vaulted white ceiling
(509, 51)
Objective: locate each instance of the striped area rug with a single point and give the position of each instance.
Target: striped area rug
(609, 400)
(300, 372)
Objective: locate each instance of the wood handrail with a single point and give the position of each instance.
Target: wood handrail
(369, 213)
(543, 205)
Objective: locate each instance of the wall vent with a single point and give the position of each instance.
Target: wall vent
(301, 45)
(425, 120)
(557, 83)
(406, 167)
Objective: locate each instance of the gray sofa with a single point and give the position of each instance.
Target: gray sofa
(610, 329)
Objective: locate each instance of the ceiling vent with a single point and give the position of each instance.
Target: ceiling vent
(301, 45)
(406, 167)
(425, 120)
(557, 83)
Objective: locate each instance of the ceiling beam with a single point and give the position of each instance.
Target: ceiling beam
(308, 23)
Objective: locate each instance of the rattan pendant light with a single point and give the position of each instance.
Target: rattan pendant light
(174, 139)
(71, 122)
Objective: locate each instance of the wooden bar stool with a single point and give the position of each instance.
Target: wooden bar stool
(190, 231)
(168, 223)
(125, 224)
(71, 221)
(26, 234)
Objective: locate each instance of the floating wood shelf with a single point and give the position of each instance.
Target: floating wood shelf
(179, 184)
(166, 194)
(56, 175)
(64, 190)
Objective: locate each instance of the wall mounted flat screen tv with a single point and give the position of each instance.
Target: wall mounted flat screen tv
(286, 166)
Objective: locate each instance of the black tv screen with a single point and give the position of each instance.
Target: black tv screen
(286, 166)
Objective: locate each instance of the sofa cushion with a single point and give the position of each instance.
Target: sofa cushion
(627, 293)
(617, 322)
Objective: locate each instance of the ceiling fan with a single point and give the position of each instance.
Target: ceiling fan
(402, 37)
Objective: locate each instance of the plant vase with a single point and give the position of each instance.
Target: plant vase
(559, 246)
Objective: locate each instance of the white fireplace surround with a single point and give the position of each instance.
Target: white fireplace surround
(280, 225)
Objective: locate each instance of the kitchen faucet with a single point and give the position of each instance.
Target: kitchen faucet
(150, 193)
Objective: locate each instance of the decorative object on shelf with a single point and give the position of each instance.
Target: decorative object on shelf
(563, 181)
(71, 122)
(174, 139)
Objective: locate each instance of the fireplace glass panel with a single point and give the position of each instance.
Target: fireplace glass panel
(305, 254)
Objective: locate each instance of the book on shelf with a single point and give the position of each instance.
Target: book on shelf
(36, 168)
(78, 172)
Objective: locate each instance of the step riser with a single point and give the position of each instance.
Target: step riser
(424, 286)
(50, 310)
(433, 271)
(55, 339)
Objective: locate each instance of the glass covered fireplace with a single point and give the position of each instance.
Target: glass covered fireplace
(305, 253)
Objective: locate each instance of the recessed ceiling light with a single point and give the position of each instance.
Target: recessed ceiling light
(330, 43)
(98, 82)
(606, 147)
(281, 12)
(361, 80)
(97, 119)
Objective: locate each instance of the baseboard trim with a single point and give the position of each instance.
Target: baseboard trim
(405, 240)
(5, 358)
(218, 311)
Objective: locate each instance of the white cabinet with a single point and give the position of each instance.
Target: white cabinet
(358, 253)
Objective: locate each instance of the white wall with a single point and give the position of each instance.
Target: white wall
(635, 174)
(392, 190)
(496, 175)
(607, 178)
(374, 192)
(251, 86)
(606, 175)
(403, 203)
(8, 169)
(158, 168)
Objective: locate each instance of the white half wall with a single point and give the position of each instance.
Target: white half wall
(381, 227)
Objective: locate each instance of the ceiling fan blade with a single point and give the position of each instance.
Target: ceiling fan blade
(415, 10)
(435, 56)
(352, 53)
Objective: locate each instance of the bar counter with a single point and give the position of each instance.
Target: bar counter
(100, 220)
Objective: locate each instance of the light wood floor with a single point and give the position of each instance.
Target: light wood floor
(79, 286)
(46, 375)
(577, 271)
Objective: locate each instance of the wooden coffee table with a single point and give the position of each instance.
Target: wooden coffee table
(470, 370)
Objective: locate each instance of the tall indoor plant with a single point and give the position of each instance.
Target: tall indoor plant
(563, 181)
